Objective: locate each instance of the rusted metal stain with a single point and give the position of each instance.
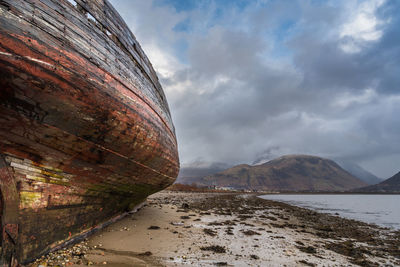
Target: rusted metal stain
(85, 129)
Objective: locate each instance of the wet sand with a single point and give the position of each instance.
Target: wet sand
(206, 229)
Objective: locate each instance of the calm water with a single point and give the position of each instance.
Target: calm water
(383, 210)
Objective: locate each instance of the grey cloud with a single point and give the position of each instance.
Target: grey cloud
(241, 104)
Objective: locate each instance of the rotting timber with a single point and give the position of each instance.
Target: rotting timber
(85, 129)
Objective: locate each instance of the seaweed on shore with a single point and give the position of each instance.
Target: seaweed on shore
(366, 239)
(307, 263)
(251, 232)
(209, 232)
(214, 248)
(308, 249)
(347, 248)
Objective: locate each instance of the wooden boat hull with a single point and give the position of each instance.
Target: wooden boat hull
(85, 129)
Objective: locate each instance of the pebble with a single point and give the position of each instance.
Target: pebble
(64, 257)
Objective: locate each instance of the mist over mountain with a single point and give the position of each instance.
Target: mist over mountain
(359, 172)
(287, 173)
(196, 171)
(391, 185)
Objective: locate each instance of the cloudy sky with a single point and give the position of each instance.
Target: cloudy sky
(248, 81)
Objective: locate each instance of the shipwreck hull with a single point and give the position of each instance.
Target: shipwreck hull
(85, 129)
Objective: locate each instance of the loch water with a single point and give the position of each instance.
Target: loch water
(383, 210)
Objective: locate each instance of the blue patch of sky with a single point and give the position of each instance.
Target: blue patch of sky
(215, 18)
(284, 30)
(222, 9)
(183, 26)
(239, 4)
(180, 50)
(280, 34)
(279, 37)
(188, 5)
(179, 5)
(219, 8)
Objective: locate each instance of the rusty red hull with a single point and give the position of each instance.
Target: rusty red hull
(85, 129)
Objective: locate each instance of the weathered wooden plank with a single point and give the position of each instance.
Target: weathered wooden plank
(85, 128)
(110, 19)
(77, 34)
(88, 125)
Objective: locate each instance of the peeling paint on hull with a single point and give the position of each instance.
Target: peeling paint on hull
(85, 129)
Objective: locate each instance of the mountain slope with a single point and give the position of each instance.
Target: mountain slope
(287, 173)
(359, 172)
(193, 173)
(391, 185)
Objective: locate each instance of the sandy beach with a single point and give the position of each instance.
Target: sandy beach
(210, 229)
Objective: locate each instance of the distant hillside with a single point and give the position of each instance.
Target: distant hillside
(287, 173)
(192, 174)
(391, 185)
(359, 172)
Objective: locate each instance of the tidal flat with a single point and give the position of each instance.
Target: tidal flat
(227, 229)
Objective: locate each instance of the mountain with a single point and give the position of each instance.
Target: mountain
(391, 185)
(193, 173)
(359, 172)
(287, 173)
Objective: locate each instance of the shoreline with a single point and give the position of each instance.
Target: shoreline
(330, 193)
(222, 229)
(379, 210)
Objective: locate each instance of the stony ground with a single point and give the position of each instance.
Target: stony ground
(203, 229)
